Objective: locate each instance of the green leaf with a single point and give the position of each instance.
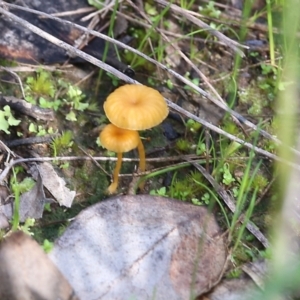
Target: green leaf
(44, 103)
(32, 128)
(42, 84)
(7, 119)
(81, 106)
(26, 227)
(3, 123)
(41, 131)
(26, 185)
(96, 3)
(71, 116)
(74, 92)
(47, 246)
(12, 121)
(227, 176)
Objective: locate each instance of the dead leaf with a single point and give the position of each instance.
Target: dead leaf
(27, 273)
(54, 184)
(257, 271)
(32, 202)
(141, 247)
(6, 212)
(3, 220)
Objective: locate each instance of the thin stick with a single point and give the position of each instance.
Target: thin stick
(16, 76)
(74, 12)
(101, 12)
(13, 162)
(94, 160)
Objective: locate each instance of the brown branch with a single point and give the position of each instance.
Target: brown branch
(27, 108)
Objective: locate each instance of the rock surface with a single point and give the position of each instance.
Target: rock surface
(141, 247)
(27, 273)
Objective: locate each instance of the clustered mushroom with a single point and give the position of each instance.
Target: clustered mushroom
(130, 108)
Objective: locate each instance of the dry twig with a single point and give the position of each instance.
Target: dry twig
(13, 162)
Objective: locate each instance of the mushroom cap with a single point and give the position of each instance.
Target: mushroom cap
(117, 139)
(135, 107)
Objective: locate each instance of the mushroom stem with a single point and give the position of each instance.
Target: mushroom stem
(142, 164)
(113, 187)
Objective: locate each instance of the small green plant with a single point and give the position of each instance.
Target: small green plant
(193, 126)
(160, 192)
(184, 189)
(210, 10)
(47, 207)
(18, 188)
(196, 201)
(181, 189)
(183, 145)
(26, 227)
(14, 184)
(7, 119)
(151, 11)
(42, 84)
(195, 81)
(255, 98)
(43, 88)
(53, 104)
(40, 130)
(206, 198)
(259, 182)
(169, 84)
(114, 80)
(74, 99)
(26, 185)
(96, 3)
(201, 148)
(228, 179)
(47, 246)
(62, 142)
(234, 273)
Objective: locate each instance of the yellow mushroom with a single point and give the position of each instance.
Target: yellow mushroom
(118, 140)
(136, 107)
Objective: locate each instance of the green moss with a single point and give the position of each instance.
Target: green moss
(62, 143)
(235, 273)
(153, 138)
(254, 98)
(183, 145)
(42, 84)
(259, 182)
(90, 178)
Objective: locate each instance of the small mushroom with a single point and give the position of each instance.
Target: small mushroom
(120, 140)
(136, 107)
